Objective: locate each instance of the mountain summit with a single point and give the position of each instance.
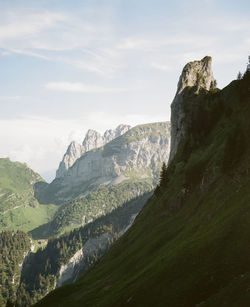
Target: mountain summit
(92, 140)
(196, 74)
(134, 155)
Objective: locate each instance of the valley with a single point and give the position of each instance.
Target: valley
(93, 200)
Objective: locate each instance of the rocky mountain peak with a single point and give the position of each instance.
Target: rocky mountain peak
(135, 155)
(110, 134)
(74, 151)
(195, 74)
(73, 146)
(92, 140)
(121, 129)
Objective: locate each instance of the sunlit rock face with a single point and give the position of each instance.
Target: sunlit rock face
(92, 140)
(135, 155)
(196, 74)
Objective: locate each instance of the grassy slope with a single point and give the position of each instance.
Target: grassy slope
(27, 218)
(16, 184)
(19, 209)
(186, 248)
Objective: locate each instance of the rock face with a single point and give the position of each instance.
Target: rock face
(138, 154)
(79, 262)
(71, 269)
(92, 140)
(198, 74)
(73, 152)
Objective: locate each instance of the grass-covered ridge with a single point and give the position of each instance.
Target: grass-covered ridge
(16, 185)
(19, 209)
(190, 244)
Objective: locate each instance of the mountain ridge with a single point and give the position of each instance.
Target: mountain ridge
(189, 244)
(92, 140)
(137, 153)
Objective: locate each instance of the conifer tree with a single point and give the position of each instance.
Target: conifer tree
(247, 72)
(239, 76)
(164, 176)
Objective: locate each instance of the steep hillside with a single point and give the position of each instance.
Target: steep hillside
(16, 185)
(81, 211)
(189, 246)
(19, 209)
(65, 258)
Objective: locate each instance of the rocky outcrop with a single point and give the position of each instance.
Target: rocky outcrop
(73, 152)
(93, 249)
(69, 270)
(196, 74)
(138, 153)
(82, 259)
(92, 140)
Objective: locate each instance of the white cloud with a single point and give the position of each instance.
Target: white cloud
(160, 66)
(77, 87)
(28, 53)
(10, 98)
(21, 26)
(133, 43)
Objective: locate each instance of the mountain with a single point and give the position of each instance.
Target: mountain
(99, 197)
(189, 246)
(67, 257)
(108, 187)
(92, 140)
(196, 74)
(105, 178)
(135, 155)
(19, 209)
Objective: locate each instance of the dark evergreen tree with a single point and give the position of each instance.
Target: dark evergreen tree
(239, 76)
(164, 176)
(247, 72)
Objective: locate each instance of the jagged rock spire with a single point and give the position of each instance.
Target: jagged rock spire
(92, 140)
(198, 74)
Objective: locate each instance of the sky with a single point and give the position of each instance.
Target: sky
(69, 66)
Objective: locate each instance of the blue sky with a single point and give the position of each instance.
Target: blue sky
(67, 66)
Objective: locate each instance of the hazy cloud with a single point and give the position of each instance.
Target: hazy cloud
(77, 87)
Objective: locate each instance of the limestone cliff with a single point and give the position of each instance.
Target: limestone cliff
(73, 152)
(137, 154)
(92, 140)
(91, 251)
(196, 74)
